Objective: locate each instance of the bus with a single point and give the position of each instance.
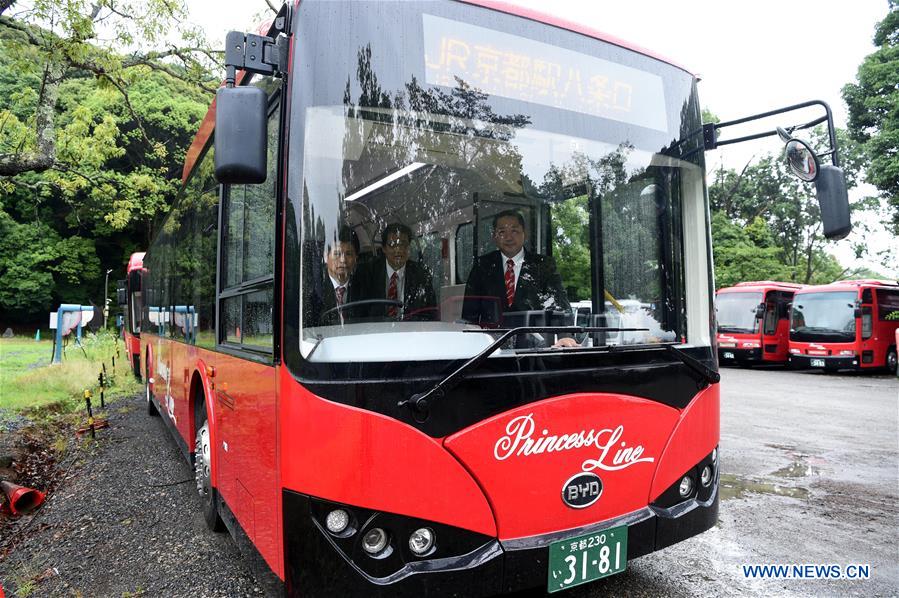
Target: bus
(754, 322)
(129, 299)
(375, 402)
(848, 324)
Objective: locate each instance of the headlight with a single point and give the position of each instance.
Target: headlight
(421, 541)
(686, 486)
(705, 478)
(374, 541)
(337, 521)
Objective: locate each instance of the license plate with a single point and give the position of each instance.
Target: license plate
(585, 558)
(728, 355)
(817, 363)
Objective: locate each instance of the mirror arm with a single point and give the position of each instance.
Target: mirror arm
(710, 130)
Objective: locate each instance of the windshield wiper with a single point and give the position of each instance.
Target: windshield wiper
(420, 402)
(694, 364)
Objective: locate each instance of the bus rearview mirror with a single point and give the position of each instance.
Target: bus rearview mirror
(122, 298)
(833, 199)
(240, 135)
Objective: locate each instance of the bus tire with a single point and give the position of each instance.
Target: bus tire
(891, 361)
(151, 407)
(208, 493)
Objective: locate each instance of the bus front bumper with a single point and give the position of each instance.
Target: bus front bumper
(316, 566)
(734, 355)
(824, 362)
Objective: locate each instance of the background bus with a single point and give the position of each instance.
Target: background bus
(130, 299)
(850, 324)
(754, 322)
(435, 449)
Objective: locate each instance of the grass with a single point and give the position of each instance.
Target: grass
(29, 381)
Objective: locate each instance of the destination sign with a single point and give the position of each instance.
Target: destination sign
(522, 69)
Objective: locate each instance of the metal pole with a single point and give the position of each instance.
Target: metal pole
(105, 298)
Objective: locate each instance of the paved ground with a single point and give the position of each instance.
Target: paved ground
(810, 474)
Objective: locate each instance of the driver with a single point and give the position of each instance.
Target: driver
(514, 278)
(339, 287)
(394, 277)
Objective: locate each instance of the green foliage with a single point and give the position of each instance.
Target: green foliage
(745, 253)
(873, 103)
(121, 128)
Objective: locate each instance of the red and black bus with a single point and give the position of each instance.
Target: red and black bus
(453, 432)
(849, 324)
(130, 301)
(754, 322)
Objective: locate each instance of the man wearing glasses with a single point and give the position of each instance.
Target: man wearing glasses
(512, 279)
(395, 278)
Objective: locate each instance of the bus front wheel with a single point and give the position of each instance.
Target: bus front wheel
(202, 460)
(892, 361)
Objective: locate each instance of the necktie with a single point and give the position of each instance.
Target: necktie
(392, 294)
(510, 282)
(341, 295)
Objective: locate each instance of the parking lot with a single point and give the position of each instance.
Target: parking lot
(809, 474)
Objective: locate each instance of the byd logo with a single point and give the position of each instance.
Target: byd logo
(582, 490)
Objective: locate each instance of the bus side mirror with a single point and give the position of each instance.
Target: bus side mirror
(241, 135)
(833, 199)
(857, 312)
(123, 299)
(759, 311)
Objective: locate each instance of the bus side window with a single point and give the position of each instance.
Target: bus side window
(887, 305)
(867, 322)
(771, 314)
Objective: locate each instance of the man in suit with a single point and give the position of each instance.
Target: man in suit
(512, 279)
(395, 277)
(338, 285)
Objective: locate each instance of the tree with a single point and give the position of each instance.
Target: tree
(56, 41)
(92, 141)
(873, 103)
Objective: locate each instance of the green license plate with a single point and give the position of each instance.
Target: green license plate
(585, 558)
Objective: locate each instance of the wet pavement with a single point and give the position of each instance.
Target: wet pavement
(809, 475)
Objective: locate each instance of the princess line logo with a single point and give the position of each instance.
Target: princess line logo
(614, 453)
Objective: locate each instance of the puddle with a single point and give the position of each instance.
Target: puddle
(798, 469)
(734, 487)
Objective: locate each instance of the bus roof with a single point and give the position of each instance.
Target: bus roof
(136, 262)
(762, 285)
(206, 127)
(846, 285)
(542, 17)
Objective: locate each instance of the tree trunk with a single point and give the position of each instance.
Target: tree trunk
(45, 156)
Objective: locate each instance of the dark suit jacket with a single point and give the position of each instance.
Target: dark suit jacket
(323, 298)
(538, 288)
(418, 292)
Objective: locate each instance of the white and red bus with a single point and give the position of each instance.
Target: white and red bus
(130, 300)
(849, 324)
(451, 430)
(754, 322)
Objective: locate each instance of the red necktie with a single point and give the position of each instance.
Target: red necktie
(392, 294)
(341, 295)
(510, 282)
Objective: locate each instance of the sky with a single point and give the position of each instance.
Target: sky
(751, 57)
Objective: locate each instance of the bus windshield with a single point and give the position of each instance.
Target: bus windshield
(824, 317)
(440, 202)
(736, 312)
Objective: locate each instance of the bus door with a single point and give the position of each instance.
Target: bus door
(776, 326)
